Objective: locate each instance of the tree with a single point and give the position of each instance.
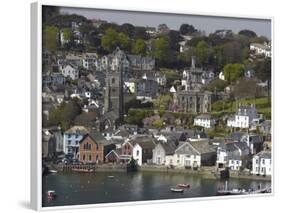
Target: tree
(248, 33)
(162, 102)
(111, 39)
(158, 123)
(49, 12)
(139, 47)
(50, 38)
(65, 114)
(232, 52)
(233, 71)
(216, 85)
(123, 41)
(186, 29)
(127, 29)
(202, 52)
(67, 33)
(140, 32)
(161, 49)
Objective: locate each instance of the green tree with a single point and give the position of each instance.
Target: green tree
(123, 41)
(111, 39)
(162, 102)
(67, 33)
(139, 47)
(158, 123)
(65, 114)
(161, 49)
(233, 71)
(50, 38)
(202, 52)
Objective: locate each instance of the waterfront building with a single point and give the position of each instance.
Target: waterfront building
(91, 148)
(71, 139)
(192, 155)
(142, 150)
(232, 155)
(262, 163)
(160, 152)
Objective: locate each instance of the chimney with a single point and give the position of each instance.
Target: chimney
(193, 62)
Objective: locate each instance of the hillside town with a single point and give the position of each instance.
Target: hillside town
(163, 98)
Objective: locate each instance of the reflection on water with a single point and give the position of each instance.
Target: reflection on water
(77, 189)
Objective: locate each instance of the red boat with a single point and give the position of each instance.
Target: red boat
(51, 194)
(183, 185)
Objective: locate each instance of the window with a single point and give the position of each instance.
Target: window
(69, 142)
(263, 161)
(97, 157)
(89, 146)
(90, 157)
(83, 157)
(237, 162)
(138, 152)
(97, 147)
(113, 80)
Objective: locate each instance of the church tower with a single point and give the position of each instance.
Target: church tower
(114, 101)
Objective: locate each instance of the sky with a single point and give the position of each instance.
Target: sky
(209, 24)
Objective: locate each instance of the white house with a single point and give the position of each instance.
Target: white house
(185, 156)
(261, 49)
(70, 71)
(205, 121)
(243, 117)
(160, 152)
(137, 154)
(71, 140)
(231, 155)
(262, 163)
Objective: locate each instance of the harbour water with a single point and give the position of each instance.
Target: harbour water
(78, 188)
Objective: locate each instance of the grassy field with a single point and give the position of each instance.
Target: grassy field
(263, 106)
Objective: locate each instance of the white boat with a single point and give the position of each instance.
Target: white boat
(53, 171)
(110, 176)
(176, 190)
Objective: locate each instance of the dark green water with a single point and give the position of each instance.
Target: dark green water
(78, 189)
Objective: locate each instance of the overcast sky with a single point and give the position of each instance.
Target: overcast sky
(204, 23)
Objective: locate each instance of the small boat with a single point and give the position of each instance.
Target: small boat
(51, 194)
(110, 176)
(83, 170)
(177, 190)
(53, 171)
(183, 185)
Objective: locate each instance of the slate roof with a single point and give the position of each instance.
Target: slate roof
(202, 147)
(77, 130)
(264, 154)
(186, 148)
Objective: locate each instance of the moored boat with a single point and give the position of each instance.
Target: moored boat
(177, 189)
(82, 170)
(183, 185)
(51, 194)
